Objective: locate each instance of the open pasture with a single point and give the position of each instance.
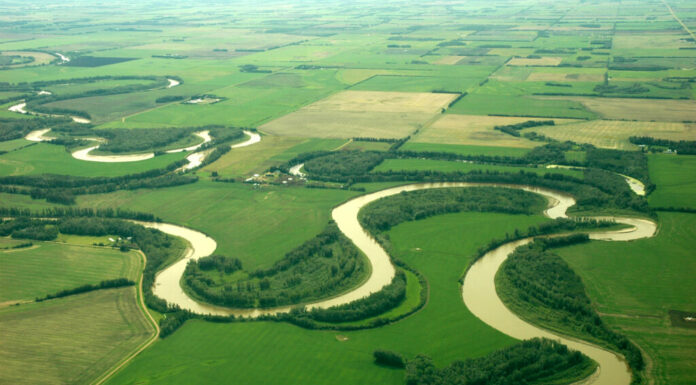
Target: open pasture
(362, 114)
(49, 267)
(70, 340)
(675, 177)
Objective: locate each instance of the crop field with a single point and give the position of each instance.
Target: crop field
(339, 100)
(476, 130)
(675, 178)
(362, 114)
(615, 133)
(70, 340)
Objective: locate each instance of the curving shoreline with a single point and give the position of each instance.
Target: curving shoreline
(478, 288)
(85, 155)
(634, 184)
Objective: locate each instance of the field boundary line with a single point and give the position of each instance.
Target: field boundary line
(674, 15)
(141, 301)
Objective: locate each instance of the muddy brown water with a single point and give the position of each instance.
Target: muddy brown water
(478, 289)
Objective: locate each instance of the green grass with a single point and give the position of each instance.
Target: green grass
(50, 267)
(11, 145)
(258, 226)
(274, 353)
(675, 180)
(449, 166)
(51, 159)
(465, 149)
(486, 104)
(634, 284)
(70, 340)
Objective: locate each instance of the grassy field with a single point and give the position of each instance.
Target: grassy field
(51, 159)
(439, 247)
(655, 276)
(50, 267)
(70, 340)
(362, 114)
(258, 226)
(675, 178)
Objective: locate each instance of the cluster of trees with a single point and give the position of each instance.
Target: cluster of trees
(122, 140)
(681, 147)
(531, 361)
(385, 213)
(107, 284)
(375, 304)
(325, 265)
(342, 164)
(17, 128)
(28, 228)
(513, 129)
(543, 283)
(632, 163)
(228, 265)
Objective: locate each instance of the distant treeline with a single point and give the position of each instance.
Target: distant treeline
(107, 284)
(681, 147)
(528, 362)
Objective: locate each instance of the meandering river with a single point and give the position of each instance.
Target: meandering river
(478, 289)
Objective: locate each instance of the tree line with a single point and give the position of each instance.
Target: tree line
(528, 362)
(681, 147)
(326, 264)
(106, 284)
(514, 129)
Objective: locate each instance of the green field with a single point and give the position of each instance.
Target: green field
(70, 340)
(675, 177)
(636, 301)
(50, 267)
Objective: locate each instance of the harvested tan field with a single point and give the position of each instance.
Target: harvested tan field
(638, 109)
(378, 101)
(362, 113)
(615, 133)
(560, 77)
(476, 130)
(544, 61)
